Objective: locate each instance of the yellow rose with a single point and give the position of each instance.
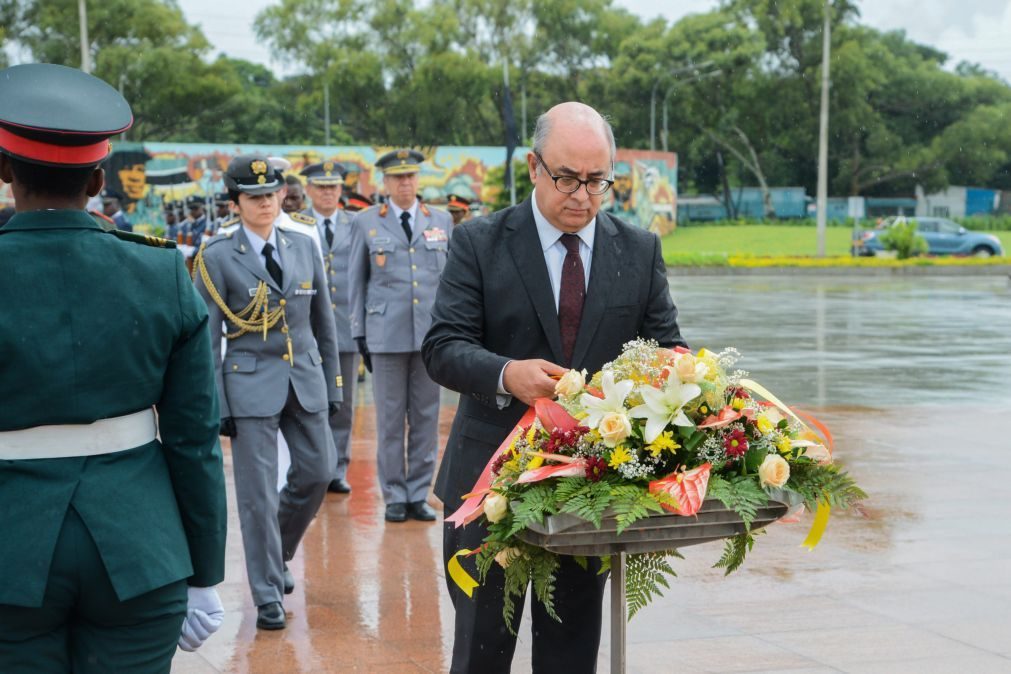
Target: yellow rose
(774, 471)
(614, 428)
(506, 556)
(689, 370)
(571, 383)
(495, 507)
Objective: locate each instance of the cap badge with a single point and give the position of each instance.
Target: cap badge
(259, 167)
(402, 155)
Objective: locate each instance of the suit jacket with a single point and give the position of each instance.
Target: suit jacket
(335, 259)
(254, 375)
(392, 281)
(495, 304)
(94, 327)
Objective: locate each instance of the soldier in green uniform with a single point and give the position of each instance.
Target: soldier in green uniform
(112, 496)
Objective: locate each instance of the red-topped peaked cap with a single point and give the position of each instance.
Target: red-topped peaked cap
(58, 116)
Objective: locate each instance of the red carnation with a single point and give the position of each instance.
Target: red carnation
(595, 468)
(496, 466)
(736, 443)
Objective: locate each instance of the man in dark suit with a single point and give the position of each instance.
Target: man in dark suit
(527, 292)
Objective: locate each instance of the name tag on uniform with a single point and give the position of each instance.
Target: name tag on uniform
(435, 234)
(381, 241)
(305, 288)
(253, 291)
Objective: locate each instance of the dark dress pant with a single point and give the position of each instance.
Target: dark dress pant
(482, 643)
(82, 626)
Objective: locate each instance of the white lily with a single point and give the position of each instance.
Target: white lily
(612, 403)
(664, 406)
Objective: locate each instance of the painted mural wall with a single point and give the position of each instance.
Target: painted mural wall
(149, 174)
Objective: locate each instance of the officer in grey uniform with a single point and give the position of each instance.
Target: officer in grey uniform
(280, 371)
(397, 252)
(324, 183)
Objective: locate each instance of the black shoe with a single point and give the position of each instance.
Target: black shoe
(396, 512)
(339, 486)
(420, 510)
(270, 616)
(289, 581)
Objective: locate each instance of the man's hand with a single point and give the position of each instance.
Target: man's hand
(204, 615)
(228, 427)
(335, 407)
(528, 380)
(364, 350)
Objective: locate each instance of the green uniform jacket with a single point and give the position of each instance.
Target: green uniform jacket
(93, 327)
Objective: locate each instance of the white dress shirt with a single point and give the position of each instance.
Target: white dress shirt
(413, 210)
(257, 243)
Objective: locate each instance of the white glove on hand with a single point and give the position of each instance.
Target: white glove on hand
(204, 615)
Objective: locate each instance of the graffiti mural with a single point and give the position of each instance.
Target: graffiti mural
(150, 174)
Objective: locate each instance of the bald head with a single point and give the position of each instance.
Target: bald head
(573, 117)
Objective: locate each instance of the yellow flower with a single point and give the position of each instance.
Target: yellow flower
(535, 462)
(784, 445)
(665, 441)
(619, 456)
(737, 404)
(512, 465)
(531, 434)
(594, 436)
(764, 424)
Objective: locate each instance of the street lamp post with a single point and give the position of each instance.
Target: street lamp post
(822, 215)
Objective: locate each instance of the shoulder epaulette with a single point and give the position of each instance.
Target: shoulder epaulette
(383, 210)
(229, 222)
(424, 210)
(146, 239)
(302, 219)
(220, 236)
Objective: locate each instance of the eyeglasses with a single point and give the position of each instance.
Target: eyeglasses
(571, 184)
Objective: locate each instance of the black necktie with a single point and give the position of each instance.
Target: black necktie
(405, 222)
(273, 268)
(571, 295)
(329, 232)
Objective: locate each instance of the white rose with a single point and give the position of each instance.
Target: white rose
(614, 428)
(689, 370)
(774, 471)
(571, 383)
(506, 556)
(495, 507)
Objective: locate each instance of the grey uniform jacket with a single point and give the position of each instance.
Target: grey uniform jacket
(393, 280)
(254, 376)
(335, 259)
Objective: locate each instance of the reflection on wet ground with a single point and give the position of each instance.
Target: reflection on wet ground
(911, 377)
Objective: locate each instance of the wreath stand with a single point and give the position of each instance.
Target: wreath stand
(566, 534)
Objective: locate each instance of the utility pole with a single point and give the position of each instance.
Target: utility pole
(822, 216)
(652, 116)
(82, 11)
(326, 112)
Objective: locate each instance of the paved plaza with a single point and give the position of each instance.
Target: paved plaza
(918, 581)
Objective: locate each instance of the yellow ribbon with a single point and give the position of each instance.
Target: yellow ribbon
(459, 576)
(817, 527)
(755, 387)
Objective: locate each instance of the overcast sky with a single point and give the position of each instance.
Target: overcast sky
(969, 30)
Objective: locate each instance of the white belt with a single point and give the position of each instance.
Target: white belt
(105, 436)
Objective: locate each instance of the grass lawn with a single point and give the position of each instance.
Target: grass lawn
(754, 240)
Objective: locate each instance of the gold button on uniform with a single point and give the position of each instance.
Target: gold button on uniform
(333, 289)
(414, 267)
(415, 300)
(235, 367)
(415, 283)
(282, 302)
(284, 357)
(411, 250)
(333, 305)
(284, 329)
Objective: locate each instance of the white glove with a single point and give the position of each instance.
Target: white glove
(204, 615)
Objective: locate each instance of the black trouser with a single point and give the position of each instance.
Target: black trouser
(82, 626)
(482, 643)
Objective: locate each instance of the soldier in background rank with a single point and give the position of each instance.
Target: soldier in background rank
(294, 196)
(397, 252)
(354, 202)
(197, 207)
(324, 182)
(458, 207)
(280, 371)
(113, 517)
(222, 210)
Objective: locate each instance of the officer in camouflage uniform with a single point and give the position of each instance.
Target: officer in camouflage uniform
(280, 371)
(397, 252)
(324, 183)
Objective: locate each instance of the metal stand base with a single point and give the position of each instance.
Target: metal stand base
(618, 621)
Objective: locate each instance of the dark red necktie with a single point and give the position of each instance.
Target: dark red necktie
(571, 295)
